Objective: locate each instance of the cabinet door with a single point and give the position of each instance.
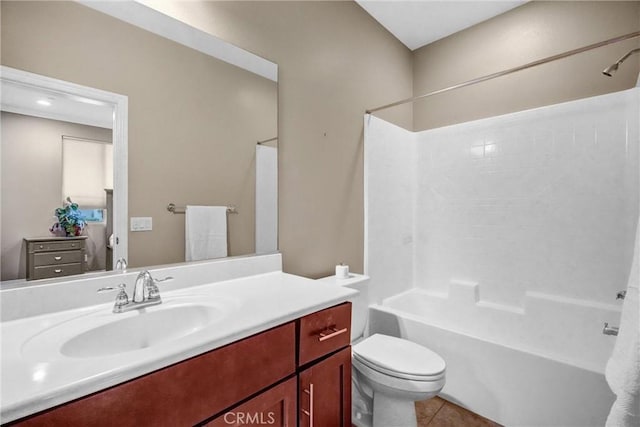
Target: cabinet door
(275, 407)
(324, 392)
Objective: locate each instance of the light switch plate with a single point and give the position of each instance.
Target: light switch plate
(141, 223)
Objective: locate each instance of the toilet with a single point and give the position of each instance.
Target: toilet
(389, 374)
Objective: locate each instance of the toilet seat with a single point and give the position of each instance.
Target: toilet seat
(399, 358)
(399, 375)
(410, 389)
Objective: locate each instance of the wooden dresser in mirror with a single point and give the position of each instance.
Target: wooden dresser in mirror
(49, 257)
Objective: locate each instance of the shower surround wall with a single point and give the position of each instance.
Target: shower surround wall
(389, 194)
(516, 231)
(544, 200)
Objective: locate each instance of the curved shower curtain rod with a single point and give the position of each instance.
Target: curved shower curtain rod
(511, 70)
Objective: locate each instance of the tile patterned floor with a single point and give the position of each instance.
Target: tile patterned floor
(438, 412)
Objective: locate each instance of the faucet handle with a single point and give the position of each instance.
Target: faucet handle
(122, 298)
(121, 286)
(154, 292)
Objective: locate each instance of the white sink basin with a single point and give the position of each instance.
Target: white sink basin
(103, 334)
(141, 331)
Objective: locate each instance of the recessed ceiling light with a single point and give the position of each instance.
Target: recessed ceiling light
(44, 102)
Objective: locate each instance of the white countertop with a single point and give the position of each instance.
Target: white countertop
(34, 379)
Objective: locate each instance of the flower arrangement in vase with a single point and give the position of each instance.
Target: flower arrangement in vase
(71, 221)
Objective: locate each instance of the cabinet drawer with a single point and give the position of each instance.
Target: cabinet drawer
(57, 270)
(55, 246)
(55, 258)
(325, 331)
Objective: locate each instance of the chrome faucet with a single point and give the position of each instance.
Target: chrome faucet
(145, 289)
(145, 293)
(610, 330)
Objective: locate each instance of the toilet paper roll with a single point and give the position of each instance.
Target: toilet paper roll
(342, 271)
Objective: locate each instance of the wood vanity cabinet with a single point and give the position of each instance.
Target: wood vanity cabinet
(324, 368)
(186, 393)
(295, 374)
(322, 384)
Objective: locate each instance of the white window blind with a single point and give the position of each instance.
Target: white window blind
(87, 169)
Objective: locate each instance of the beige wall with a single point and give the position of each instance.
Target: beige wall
(31, 170)
(530, 32)
(334, 62)
(193, 120)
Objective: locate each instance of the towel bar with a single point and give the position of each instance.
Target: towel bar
(180, 210)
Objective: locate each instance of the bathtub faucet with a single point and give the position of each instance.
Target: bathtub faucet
(610, 330)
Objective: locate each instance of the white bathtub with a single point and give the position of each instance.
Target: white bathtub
(540, 365)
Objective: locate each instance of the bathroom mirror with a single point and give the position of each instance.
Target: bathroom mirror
(194, 120)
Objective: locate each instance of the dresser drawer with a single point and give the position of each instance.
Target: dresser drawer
(55, 245)
(55, 258)
(57, 270)
(323, 332)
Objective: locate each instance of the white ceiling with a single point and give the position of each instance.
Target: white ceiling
(21, 99)
(419, 22)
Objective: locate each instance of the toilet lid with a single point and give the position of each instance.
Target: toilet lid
(398, 356)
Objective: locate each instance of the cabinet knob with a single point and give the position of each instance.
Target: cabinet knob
(57, 270)
(57, 258)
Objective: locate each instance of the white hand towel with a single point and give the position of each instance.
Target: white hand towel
(623, 368)
(205, 232)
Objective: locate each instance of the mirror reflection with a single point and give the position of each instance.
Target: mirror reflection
(57, 175)
(194, 123)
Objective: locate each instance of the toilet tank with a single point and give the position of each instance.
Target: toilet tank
(360, 302)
